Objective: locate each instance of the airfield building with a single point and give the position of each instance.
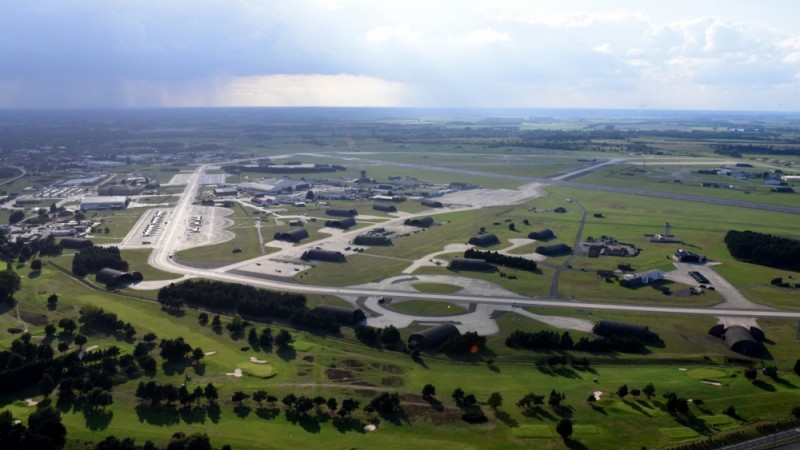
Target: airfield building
(432, 337)
(292, 235)
(431, 203)
(554, 249)
(345, 316)
(686, 256)
(323, 255)
(421, 222)
(384, 208)
(111, 277)
(740, 340)
(341, 212)
(343, 224)
(484, 240)
(372, 240)
(545, 234)
(642, 278)
(104, 202)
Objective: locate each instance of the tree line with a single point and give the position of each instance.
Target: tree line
(550, 340)
(246, 300)
(764, 249)
(515, 262)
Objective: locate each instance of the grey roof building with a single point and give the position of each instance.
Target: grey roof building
(554, 249)
(341, 212)
(484, 240)
(112, 277)
(292, 235)
(366, 239)
(431, 203)
(741, 340)
(545, 234)
(323, 255)
(384, 208)
(432, 337)
(422, 222)
(345, 316)
(341, 223)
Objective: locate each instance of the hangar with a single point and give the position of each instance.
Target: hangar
(104, 202)
(545, 234)
(484, 240)
(422, 222)
(112, 277)
(292, 235)
(345, 316)
(323, 255)
(341, 223)
(554, 249)
(432, 337)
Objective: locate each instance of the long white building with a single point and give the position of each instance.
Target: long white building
(104, 202)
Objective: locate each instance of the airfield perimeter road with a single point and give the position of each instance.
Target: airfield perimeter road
(161, 258)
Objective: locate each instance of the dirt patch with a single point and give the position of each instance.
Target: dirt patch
(352, 363)
(338, 374)
(308, 358)
(392, 381)
(425, 413)
(37, 320)
(391, 368)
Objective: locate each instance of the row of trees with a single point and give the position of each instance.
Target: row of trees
(765, 249)
(515, 262)
(156, 393)
(550, 340)
(246, 300)
(370, 335)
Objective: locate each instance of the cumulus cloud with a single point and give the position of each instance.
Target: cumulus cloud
(483, 36)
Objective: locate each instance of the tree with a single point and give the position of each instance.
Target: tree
(211, 393)
(99, 397)
(512, 227)
(80, 340)
(555, 399)
(45, 430)
(46, 385)
(770, 371)
(310, 195)
(649, 390)
(390, 335)
(52, 301)
(591, 398)
(16, 216)
(198, 354)
(9, 284)
(622, 391)
(68, 325)
(796, 412)
(49, 329)
(458, 396)
(428, 391)
(216, 323)
(149, 337)
(730, 411)
(62, 346)
(289, 400)
(495, 400)
(260, 395)
(332, 404)
(239, 397)
(283, 339)
(36, 265)
(635, 393)
(252, 337)
(750, 373)
(202, 319)
(564, 429)
(797, 367)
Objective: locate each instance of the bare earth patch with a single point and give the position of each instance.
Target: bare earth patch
(38, 320)
(352, 363)
(392, 381)
(338, 374)
(253, 359)
(308, 358)
(236, 373)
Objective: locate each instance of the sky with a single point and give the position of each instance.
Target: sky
(697, 55)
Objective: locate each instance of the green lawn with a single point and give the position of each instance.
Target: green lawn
(427, 308)
(436, 288)
(137, 262)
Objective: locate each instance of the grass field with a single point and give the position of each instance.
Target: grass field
(137, 262)
(436, 288)
(427, 308)
(640, 422)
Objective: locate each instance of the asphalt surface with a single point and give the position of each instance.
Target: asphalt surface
(784, 440)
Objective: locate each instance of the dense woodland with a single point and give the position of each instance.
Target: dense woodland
(764, 249)
(93, 259)
(550, 340)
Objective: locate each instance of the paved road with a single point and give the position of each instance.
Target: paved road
(784, 440)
